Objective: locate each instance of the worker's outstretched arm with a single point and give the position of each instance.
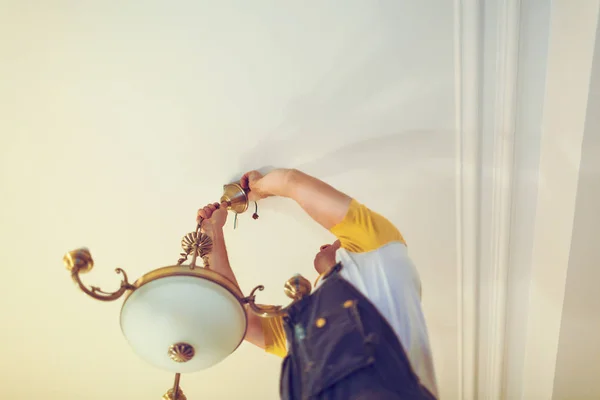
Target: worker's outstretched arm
(214, 220)
(325, 204)
(357, 228)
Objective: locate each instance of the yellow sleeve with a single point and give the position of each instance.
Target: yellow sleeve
(275, 341)
(363, 230)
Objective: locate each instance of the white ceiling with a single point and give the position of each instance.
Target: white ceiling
(119, 119)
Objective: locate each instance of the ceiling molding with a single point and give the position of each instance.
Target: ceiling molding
(468, 81)
(486, 139)
(483, 266)
(491, 367)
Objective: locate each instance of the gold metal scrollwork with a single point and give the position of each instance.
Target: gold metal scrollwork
(295, 288)
(80, 262)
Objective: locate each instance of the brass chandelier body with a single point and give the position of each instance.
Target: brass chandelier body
(195, 244)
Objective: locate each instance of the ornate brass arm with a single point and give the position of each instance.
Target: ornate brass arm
(80, 261)
(295, 288)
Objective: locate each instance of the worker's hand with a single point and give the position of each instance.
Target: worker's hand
(214, 216)
(251, 183)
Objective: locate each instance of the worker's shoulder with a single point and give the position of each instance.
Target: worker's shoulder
(364, 230)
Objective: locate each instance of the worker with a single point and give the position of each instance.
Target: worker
(361, 333)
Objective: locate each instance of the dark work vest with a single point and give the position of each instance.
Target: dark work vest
(342, 348)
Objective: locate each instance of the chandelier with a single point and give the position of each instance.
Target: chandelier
(185, 318)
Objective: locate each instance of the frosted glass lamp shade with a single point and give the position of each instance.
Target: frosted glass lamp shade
(183, 320)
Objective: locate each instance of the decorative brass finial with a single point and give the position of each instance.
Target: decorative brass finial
(169, 395)
(80, 261)
(204, 244)
(297, 287)
(175, 393)
(181, 352)
(199, 241)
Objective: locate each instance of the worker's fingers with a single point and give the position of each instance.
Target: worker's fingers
(245, 181)
(206, 212)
